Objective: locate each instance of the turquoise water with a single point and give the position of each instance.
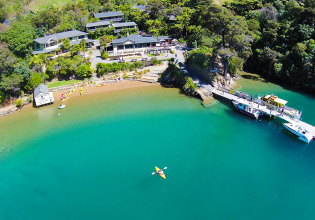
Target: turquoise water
(95, 160)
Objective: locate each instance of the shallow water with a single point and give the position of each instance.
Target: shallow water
(95, 160)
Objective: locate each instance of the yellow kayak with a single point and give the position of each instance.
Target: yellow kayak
(81, 90)
(162, 174)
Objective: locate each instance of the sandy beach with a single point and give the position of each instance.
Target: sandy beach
(121, 85)
(91, 90)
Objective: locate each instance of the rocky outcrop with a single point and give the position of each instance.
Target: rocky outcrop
(214, 78)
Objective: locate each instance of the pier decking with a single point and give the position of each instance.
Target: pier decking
(267, 110)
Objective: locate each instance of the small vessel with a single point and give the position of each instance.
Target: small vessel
(160, 172)
(247, 108)
(81, 90)
(62, 106)
(299, 131)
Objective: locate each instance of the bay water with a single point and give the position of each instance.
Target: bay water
(95, 160)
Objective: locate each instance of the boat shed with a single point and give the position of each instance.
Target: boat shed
(42, 96)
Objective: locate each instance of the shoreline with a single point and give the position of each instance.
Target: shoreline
(87, 90)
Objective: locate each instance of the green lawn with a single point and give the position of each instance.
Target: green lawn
(62, 83)
(39, 5)
(153, 55)
(220, 2)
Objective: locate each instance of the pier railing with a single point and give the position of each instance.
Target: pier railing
(285, 110)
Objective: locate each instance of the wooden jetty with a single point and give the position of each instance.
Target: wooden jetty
(291, 115)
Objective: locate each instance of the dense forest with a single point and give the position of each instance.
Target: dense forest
(271, 38)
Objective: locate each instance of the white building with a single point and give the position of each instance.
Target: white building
(124, 25)
(113, 16)
(52, 42)
(97, 25)
(136, 44)
(42, 96)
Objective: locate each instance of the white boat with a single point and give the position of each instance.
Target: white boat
(62, 106)
(299, 131)
(246, 108)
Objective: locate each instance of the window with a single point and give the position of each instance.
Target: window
(81, 37)
(120, 47)
(130, 46)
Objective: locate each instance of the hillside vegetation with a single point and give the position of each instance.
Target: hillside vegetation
(271, 38)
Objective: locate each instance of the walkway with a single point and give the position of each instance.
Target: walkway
(266, 110)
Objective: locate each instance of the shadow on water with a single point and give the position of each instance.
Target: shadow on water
(283, 84)
(254, 77)
(180, 91)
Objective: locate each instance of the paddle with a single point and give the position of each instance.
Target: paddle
(162, 169)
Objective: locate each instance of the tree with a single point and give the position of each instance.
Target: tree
(85, 70)
(23, 70)
(104, 40)
(83, 45)
(34, 81)
(11, 83)
(7, 59)
(3, 15)
(75, 50)
(46, 18)
(268, 56)
(65, 44)
(156, 7)
(37, 62)
(19, 38)
(184, 18)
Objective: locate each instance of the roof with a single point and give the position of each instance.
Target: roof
(281, 101)
(58, 36)
(164, 38)
(95, 24)
(137, 39)
(108, 14)
(276, 99)
(40, 89)
(7, 22)
(75, 42)
(172, 18)
(124, 24)
(140, 7)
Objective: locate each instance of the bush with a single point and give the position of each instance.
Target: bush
(18, 103)
(125, 76)
(156, 62)
(105, 68)
(104, 55)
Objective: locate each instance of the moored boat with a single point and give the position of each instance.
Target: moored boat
(299, 131)
(246, 108)
(160, 172)
(62, 106)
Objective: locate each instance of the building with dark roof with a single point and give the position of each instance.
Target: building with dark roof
(113, 16)
(120, 26)
(97, 25)
(50, 43)
(140, 7)
(135, 44)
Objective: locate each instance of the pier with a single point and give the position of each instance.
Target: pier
(287, 114)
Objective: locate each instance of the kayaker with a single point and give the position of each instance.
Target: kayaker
(160, 172)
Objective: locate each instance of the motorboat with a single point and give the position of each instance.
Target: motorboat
(299, 131)
(246, 108)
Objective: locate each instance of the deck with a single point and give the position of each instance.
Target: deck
(286, 116)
